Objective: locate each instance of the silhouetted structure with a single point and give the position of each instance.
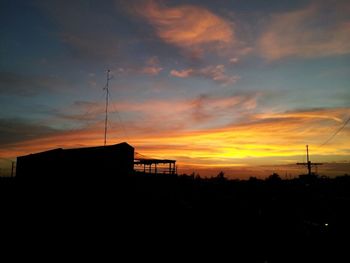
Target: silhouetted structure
(309, 164)
(103, 162)
(156, 166)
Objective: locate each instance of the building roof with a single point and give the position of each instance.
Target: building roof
(93, 148)
(153, 161)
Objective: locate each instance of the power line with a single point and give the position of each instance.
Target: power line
(141, 156)
(115, 110)
(89, 110)
(336, 132)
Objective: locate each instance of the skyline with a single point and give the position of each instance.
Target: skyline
(233, 86)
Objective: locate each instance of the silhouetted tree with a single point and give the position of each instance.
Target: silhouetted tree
(221, 175)
(253, 179)
(274, 178)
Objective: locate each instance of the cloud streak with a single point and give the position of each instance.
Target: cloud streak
(216, 73)
(19, 130)
(151, 67)
(28, 85)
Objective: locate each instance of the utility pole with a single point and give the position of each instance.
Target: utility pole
(309, 164)
(107, 96)
(12, 168)
(308, 160)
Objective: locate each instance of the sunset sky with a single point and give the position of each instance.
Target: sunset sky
(238, 86)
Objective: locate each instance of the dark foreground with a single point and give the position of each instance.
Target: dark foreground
(244, 221)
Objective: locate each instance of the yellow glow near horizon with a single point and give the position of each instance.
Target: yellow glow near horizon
(280, 141)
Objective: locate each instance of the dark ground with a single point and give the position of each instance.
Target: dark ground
(256, 221)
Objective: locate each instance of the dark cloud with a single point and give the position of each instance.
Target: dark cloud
(90, 46)
(26, 85)
(85, 104)
(75, 114)
(18, 130)
(87, 28)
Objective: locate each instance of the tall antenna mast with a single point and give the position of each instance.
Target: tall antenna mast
(107, 95)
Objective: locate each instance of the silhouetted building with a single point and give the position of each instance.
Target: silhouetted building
(103, 162)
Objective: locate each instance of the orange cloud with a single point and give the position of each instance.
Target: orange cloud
(216, 73)
(181, 73)
(151, 67)
(234, 60)
(186, 26)
(305, 33)
(149, 70)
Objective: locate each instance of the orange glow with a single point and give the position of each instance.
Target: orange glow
(265, 139)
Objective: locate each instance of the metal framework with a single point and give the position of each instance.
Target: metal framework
(106, 88)
(155, 166)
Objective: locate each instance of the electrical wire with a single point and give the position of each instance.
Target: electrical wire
(336, 132)
(114, 110)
